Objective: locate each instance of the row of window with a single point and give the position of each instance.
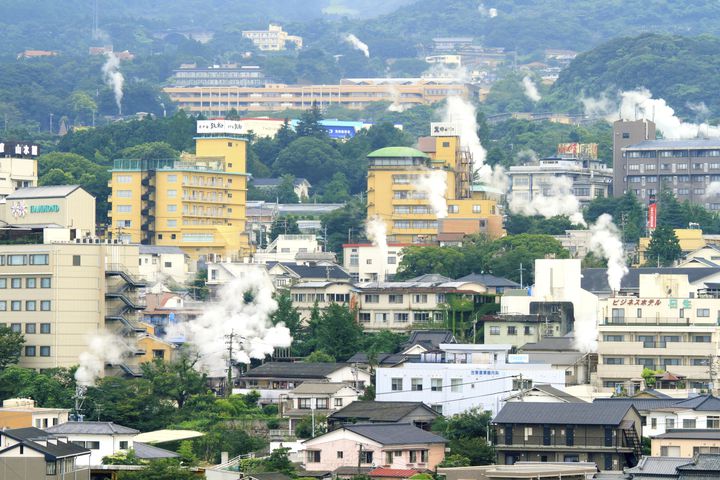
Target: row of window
(21, 259)
(653, 364)
(416, 384)
(663, 339)
(30, 305)
(415, 224)
(513, 330)
(672, 154)
(30, 328)
(32, 351)
(321, 297)
(320, 403)
(409, 195)
(398, 298)
(30, 282)
(400, 317)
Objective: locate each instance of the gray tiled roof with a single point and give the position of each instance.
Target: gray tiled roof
(709, 462)
(694, 433)
(331, 272)
(395, 433)
(431, 277)
(91, 428)
(640, 404)
(556, 392)
(52, 451)
(701, 403)
(294, 370)
(43, 192)
(150, 452)
(657, 466)
(380, 358)
(595, 279)
(607, 413)
(488, 280)
(375, 411)
(325, 388)
(694, 143)
(429, 338)
(559, 344)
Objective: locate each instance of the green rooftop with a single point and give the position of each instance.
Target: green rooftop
(397, 152)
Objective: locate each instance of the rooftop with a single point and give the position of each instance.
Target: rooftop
(658, 466)
(604, 413)
(397, 152)
(640, 404)
(50, 191)
(376, 411)
(51, 447)
(692, 433)
(314, 388)
(594, 280)
(394, 433)
(392, 472)
(294, 370)
(488, 280)
(703, 462)
(150, 452)
(667, 144)
(160, 250)
(91, 428)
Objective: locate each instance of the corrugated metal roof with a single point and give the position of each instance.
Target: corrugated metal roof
(294, 370)
(657, 466)
(694, 143)
(594, 280)
(149, 452)
(325, 388)
(692, 433)
(376, 411)
(43, 192)
(563, 413)
(395, 433)
(91, 428)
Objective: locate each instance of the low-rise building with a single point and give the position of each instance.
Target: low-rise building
(273, 39)
(522, 470)
(311, 398)
(22, 413)
(563, 354)
(275, 380)
(287, 249)
(31, 454)
(321, 294)
(545, 394)
(282, 274)
(459, 377)
(518, 330)
(375, 411)
(595, 281)
(226, 75)
(701, 466)
(101, 438)
(160, 263)
(607, 434)
(390, 445)
(365, 261)
(18, 167)
(697, 412)
(686, 442)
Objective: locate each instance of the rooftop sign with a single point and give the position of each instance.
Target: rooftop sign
(220, 126)
(444, 129)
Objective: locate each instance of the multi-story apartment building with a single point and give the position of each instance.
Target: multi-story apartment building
(667, 326)
(274, 39)
(58, 295)
(365, 262)
(228, 75)
(350, 93)
(195, 203)
(626, 133)
(18, 167)
(590, 178)
(394, 196)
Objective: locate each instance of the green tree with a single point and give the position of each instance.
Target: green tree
(309, 124)
(447, 261)
(187, 455)
(163, 469)
(123, 458)
(509, 253)
(53, 388)
(284, 226)
(466, 433)
(279, 461)
(286, 313)
(199, 285)
(337, 333)
(176, 380)
(286, 190)
(309, 157)
(318, 356)
(454, 460)
(304, 426)
(150, 151)
(664, 247)
(344, 225)
(337, 190)
(11, 344)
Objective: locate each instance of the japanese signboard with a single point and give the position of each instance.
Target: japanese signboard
(444, 129)
(14, 149)
(580, 150)
(652, 216)
(339, 132)
(220, 126)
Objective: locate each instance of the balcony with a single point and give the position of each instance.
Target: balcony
(672, 321)
(656, 348)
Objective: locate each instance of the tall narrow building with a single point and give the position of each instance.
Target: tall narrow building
(196, 202)
(626, 133)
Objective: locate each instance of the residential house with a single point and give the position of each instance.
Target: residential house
(686, 442)
(165, 308)
(645, 407)
(31, 454)
(703, 466)
(545, 394)
(22, 412)
(294, 248)
(316, 398)
(421, 341)
(275, 380)
(492, 284)
(594, 280)
(307, 295)
(519, 329)
(607, 434)
(368, 263)
(701, 412)
(101, 438)
(374, 411)
(656, 468)
(390, 445)
(563, 354)
(282, 274)
(458, 377)
(162, 263)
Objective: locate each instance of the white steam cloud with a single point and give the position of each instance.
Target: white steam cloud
(434, 184)
(712, 189)
(114, 79)
(244, 308)
(487, 12)
(102, 349)
(560, 201)
(376, 231)
(606, 241)
(637, 104)
(357, 44)
(531, 90)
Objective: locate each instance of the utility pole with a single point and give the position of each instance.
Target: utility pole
(230, 342)
(359, 457)
(51, 125)
(521, 275)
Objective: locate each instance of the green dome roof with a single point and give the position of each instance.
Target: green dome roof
(397, 152)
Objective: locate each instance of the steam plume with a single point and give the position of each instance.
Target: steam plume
(376, 231)
(434, 184)
(102, 349)
(357, 44)
(712, 189)
(560, 201)
(244, 308)
(113, 78)
(531, 90)
(606, 242)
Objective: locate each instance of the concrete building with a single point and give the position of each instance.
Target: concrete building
(18, 167)
(626, 133)
(696, 412)
(355, 94)
(227, 75)
(459, 377)
(306, 295)
(195, 203)
(101, 438)
(523, 470)
(590, 177)
(287, 248)
(32, 454)
(274, 39)
(667, 326)
(365, 261)
(22, 413)
(576, 242)
(393, 195)
(518, 330)
(686, 442)
(158, 263)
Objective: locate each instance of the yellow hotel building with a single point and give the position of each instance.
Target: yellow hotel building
(195, 203)
(392, 194)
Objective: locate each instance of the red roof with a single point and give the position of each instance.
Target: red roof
(393, 472)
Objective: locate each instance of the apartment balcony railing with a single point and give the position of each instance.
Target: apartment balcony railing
(659, 321)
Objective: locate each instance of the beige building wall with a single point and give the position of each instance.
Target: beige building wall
(15, 173)
(681, 447)
(76, 210)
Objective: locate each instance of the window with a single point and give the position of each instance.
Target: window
(172, 208)
(418, 456)
(436, 384)
(124, 445)
(688, 423)
(420, 298)
(45, 282)
(321, 403)
(416, 384)
(158, 354)
(76, 261)
(124, 208)
(172, 193)
(669, 423)
(453, 209)
(44, 328)
(30, 351)
(45, 305)
(304, 403)
(529, 330)
(16, 260)
(494, 330)
(614, 361)
(39, 259)
(365, 317)
(30, 328)
(476, 209)
(172, 223)
(713, 422)
(396, 384)
(701, 338)
(123, 178)
(45, 352)
(16, 282)
(456, 384)
(16, 305)
(3, 282)
(338, 402)
(3, 305)
(30, 282)
(703, 312)
(339, 454)
(421, 317)
(366, 457)
(512, 330)
(401, 317)
(123, 193)
(172, 178)
(50, 468)
(16, 327)
(395, 298)
(30, 305)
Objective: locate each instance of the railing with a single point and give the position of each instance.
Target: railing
(657, 321)
(120, 270)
